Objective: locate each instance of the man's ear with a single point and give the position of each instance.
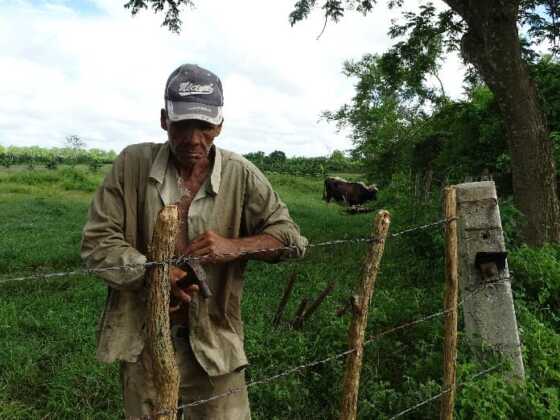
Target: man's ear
(163, 119)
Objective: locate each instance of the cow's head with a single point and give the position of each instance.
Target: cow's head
(372, 192)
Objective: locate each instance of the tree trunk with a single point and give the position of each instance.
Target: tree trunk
(492, 45)
(427, 187)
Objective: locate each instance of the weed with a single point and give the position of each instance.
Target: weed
(47, 327)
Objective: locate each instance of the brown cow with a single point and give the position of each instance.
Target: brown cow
(351, 193)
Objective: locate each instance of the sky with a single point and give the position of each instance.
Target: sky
(88, 68)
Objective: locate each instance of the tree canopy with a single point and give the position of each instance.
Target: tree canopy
(487, 36)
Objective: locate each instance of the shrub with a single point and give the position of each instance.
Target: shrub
(94, 165)
(32, 177)
(76, 179)
(537, 273)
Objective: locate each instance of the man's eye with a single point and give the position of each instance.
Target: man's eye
(204, 126)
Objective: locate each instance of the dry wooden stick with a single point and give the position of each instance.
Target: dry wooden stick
(159, 342)
(297, 321)
(351, 303)
(285, 298)
(317, 302)
(356, 334)
(341, 310)
(450, 304)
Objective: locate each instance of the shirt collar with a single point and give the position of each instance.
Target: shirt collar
(216, 174)
(159, 167)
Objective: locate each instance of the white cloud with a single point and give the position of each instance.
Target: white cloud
(101, 75)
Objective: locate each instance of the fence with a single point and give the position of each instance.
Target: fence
(375, 241)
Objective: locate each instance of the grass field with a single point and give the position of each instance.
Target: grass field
(47, 365)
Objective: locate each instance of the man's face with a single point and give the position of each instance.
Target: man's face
(189, 140)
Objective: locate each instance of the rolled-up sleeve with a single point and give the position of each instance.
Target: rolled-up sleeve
(265, 213)
(103, 239)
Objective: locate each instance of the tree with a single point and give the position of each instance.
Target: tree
(492, 44)
(277, 156)
(489, 40)
(74, 142)
(382, 117)
(171, 9)
(75, 145)
(337, 157)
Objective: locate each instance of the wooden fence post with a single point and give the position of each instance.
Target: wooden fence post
(356, 334)
(450, 304)
(489, 312)
(159, 342)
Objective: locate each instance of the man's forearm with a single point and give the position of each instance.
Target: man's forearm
(214, 248)
(259, 247)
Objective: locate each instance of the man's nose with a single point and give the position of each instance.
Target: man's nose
(192, 135)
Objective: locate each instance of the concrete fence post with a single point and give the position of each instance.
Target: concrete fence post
(489, 312)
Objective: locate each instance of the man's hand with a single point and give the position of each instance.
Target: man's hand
(213, 248)
(181, 295)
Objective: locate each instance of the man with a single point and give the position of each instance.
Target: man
(228, 210)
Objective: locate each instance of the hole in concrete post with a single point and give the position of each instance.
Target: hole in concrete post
(485, 236)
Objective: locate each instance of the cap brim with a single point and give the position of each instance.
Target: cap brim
(179, 111)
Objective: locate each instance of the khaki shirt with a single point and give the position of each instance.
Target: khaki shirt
(235, 201)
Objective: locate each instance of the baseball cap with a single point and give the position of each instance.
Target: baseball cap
(194, 93)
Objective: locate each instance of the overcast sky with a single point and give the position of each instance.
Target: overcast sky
(87, 67)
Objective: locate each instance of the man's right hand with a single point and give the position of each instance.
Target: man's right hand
(182, 295)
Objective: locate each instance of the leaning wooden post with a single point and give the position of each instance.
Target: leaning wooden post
(160, 345)
(285, 298)
(450, 304)
(356, 334)
(317, 302)
(297, 322)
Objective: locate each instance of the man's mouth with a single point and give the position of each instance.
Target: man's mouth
(189, 153)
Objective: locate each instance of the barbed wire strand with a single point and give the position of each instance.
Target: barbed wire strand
(422, 227)
(292, 370)
(183, 259)
(438, 395)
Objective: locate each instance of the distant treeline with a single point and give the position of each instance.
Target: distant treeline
(274, 162)
(34, 156)
(307, 166)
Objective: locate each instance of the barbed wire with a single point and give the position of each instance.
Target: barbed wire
(422, 227)
(305, 366)
(183, 259)
(337, 356)
(301, 367)
(292, 370)
(440, 394)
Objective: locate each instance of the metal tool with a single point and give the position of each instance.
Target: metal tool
(195, 275)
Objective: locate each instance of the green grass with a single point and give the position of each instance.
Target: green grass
(47, 365)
